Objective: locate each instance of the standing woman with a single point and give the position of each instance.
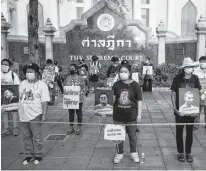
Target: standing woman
(127, 108)
(147, 85)
(94, 70)
(74, 79)
(184, 80)
(34, 96)
(9, 77)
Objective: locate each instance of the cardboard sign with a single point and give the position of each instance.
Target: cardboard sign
(71, 97)
(147, 70)
(48, 76)
(103, 102)
(135, 76)
(189, 101)
(110, 81)
(9, 97)
(94, 69)
(114, 132)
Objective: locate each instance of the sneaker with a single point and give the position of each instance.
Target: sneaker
(118, 158)
(15, 131)
(5, 131)
(78, 130)
(135, 157)
(189, 158)
(71, 130)
(27, 160)
(181, 157)
(37, 160)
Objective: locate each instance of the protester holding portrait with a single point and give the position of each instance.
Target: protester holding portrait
(126, 109)
(188, 81)
(94, 71)
(74, 79)
(147, 72)
(83, 72)
(48, 77)
(34, 96)
(9, 77)
(201, 73)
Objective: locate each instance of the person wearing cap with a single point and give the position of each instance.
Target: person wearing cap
(94, 71)
(147, 85)
(186, 79)
(33, 99)
(112, 71)
(127, 108)
(9, 77)
(201, 73)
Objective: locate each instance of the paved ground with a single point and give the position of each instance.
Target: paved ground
(91, 151)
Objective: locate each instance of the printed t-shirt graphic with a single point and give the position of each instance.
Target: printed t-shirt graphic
(124, 100)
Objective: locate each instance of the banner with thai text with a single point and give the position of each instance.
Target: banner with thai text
(114, 132)
(71, 97)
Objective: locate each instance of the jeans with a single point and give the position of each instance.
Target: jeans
(32, 138)
(79, 115)
(131, 131)
(189, 133)
(197, 118)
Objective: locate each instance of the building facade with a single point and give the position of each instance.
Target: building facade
(179, 16)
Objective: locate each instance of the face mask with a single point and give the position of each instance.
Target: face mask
(72, 72)
(30, 76)
(188, 70)
(124, 76)
(4, 68)
(202, 65)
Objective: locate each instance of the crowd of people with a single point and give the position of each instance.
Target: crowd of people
(35, 95)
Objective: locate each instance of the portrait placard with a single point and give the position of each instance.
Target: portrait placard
(135, 76)
(104, 102)
(189, 101)
(71, 97)
(147, 70)
(114, 132)
(203, 84)
(48, 76)
(9, 97)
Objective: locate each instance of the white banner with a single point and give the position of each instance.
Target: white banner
(71, 97)
(114, 132)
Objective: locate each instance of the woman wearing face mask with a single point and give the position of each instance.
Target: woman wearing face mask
(127, 108)
(201, 73)
(184, 80)
(9, 77)
(33, 102)
(74, 79)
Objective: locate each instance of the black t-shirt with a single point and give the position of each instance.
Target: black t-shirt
(180, 82)
(125, 106)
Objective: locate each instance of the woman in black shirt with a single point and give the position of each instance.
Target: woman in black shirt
(184, 80)
(127, 106)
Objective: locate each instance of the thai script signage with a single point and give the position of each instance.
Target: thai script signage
(110, 43)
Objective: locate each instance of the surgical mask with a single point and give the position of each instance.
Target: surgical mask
(202, 65)
(30, 76)
(188, 70)
(124, 76)
(4, 68)
(72, 72)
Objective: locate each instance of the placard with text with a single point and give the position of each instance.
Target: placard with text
(71, 97)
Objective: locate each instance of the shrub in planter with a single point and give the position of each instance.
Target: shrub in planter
(165, 73)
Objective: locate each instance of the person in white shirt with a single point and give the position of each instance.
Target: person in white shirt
(33, 101)
(201, 73)
(9, 77)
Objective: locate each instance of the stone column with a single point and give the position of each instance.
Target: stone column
(4, 32)
(201, 37)
(161, 34)
(49, 34)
